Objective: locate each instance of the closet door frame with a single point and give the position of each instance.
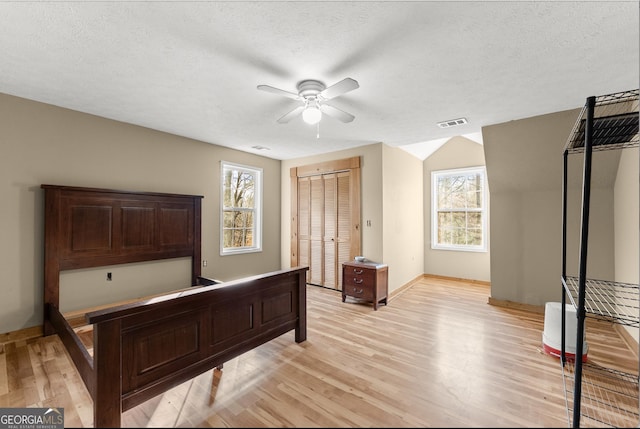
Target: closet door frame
(348, 164)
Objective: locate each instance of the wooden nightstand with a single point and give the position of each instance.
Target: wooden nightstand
(366, 281)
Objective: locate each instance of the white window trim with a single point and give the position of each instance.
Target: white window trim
(257, 247)
(434, 210)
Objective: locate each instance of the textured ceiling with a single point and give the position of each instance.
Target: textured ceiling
(191, 68)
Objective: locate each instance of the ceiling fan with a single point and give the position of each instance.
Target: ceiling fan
(314, 95)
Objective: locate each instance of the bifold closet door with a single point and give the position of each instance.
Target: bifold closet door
(340, 238)
(303, 216)
(324, 226)
(316, 223)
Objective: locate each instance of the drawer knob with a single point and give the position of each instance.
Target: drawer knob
(357, 271)
(357, 281)
(355, 290)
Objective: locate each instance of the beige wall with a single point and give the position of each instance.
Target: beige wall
(40, 143)
(389, 239)
(458, 152)
(626, 226)
(403, 217)
(626, 207)
(525, 168)
(84, 288)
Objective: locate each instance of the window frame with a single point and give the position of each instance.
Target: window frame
(435, 210)
(257, 209)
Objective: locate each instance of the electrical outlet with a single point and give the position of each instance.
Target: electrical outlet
(109, 278)
(204, 263)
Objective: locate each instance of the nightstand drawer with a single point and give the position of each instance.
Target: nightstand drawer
(358, 276)
(360, 291)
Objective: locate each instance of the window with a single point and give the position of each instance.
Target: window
(458, 201)
(240, 226)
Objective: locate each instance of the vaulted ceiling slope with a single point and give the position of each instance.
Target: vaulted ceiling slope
(192, 68)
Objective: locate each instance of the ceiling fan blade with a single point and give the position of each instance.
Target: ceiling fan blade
(334, 112)
(345, 85)
(278, 91)
(289, 116)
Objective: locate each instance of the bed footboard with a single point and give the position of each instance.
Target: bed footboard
(145, 348)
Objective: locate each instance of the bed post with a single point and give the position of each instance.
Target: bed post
(301, 325)
(196, 259)
(51, 259)
(107, 365)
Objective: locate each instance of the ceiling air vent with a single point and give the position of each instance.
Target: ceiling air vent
(452, 123)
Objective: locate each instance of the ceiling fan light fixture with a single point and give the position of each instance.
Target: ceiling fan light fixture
(311, 115)
(313, 94)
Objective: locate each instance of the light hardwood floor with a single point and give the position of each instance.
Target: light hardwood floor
(437, 356)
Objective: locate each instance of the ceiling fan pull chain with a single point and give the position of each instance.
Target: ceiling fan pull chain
(318, 130)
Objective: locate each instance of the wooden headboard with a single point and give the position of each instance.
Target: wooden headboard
(90, 227)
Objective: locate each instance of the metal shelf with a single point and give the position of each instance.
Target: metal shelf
(595, 395)
(606, 300)
(615, 123)
(609, 396)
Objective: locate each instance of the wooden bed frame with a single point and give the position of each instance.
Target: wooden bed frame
(143, 348)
